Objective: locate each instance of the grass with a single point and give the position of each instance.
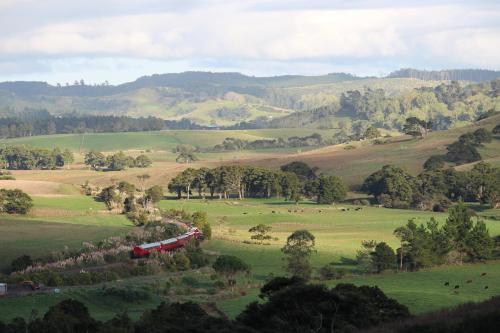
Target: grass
(100, 307)
(155, 140)
(338, 236)
(354, 165)
(39, 238)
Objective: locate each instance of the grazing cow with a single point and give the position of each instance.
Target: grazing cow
(457, 286)
(485, 287)
(446, 283)
(273, 212)
(245, 213)
(483, 274)
(469, 281)
(319, 211)
(289, 211)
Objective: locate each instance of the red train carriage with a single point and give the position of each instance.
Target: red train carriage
(168, 244)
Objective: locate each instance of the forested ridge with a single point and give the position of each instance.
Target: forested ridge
(475, 75)
(229, 98)
(445, 105)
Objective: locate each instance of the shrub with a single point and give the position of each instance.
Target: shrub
(330, 272)
(130, 295)
(181, 261)
(21, 263)
(15, 202)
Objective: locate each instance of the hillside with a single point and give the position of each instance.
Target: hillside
(473, 75)
(355, 161)
(206, 98)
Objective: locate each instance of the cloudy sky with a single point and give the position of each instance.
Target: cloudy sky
(119, 40)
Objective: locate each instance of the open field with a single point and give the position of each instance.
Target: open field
(56, 222)
(354, 165)
(63, 217)
(59, 221)
(155, 140)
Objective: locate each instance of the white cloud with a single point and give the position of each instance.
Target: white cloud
(263, 32)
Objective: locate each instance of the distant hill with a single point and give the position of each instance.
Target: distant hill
(190, 81)
(206, 98)
(473, 75)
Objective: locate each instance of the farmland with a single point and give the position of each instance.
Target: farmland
(63, 217)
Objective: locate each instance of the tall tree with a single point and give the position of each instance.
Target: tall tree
(298, 250)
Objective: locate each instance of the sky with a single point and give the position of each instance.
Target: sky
(61, 41)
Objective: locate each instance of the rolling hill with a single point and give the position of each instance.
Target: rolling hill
(205, 98)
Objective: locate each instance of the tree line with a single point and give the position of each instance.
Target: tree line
(458, 240)
(291, 182)
(445, 105)
(115, 162)
(40, 122)
(436, 187)
(313, 140)
(27, 158)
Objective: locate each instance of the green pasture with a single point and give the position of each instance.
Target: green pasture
(155, 140)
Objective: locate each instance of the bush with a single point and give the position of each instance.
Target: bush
(21, 263)
(130, 295)
(189, 281)
(15, 202)
(330, 272)
(181, 261)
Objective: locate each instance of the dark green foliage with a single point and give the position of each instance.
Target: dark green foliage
(372, 133)
(142, 161)
(298, 250)
(328, 189)
(21, 263)
(469, 317)
(260, 232)
(25, 158)
(186, 154)
(313, 140)
(230, 266)
(416, 127)
(154, 193)
(330, 272)
(200, 220)
(383, 257)
(95, 159)
(482, 135)
(468, 239)
(15, 202)
(183, 317)
(392, 186)
(130, 295)
(301, 169)
(243, 181)
(299, 307)
(116, 162)
(435, 162)
(66, 316)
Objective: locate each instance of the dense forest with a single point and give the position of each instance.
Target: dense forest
(445, 105)
(474, 75)
(40, 122)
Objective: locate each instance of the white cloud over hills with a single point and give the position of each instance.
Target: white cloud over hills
(118, 39)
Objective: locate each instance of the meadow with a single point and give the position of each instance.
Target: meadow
(339, 230)
(63, 217)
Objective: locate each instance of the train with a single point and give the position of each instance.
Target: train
(144, 250)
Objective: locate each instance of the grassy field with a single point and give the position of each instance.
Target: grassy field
(354, 165)
(155, 140)
(63, 217)
(338, 235)
(59, 221)
(56, 223)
